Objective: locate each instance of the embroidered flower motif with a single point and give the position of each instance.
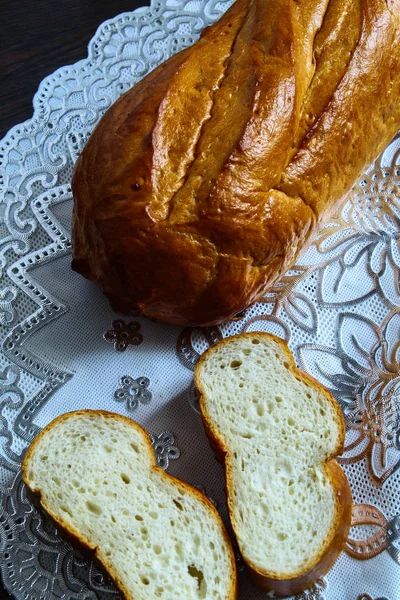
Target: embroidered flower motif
(363, 240)
(315, 592)
(133, 391)
(364, 375)
(124, 334)
(164, 448)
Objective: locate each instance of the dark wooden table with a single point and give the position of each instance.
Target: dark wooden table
(36, 38)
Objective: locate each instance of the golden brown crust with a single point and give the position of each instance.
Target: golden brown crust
(340, 529)
(76, 535)
(201, 185)
(328, 557)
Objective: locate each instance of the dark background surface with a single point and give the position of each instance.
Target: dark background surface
(36, 38)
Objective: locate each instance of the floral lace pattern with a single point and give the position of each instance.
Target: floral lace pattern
(338, 308)
(366, 382)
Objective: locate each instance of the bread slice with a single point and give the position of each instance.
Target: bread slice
(277, 431)
(157, 536)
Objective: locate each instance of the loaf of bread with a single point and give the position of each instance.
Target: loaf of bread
(277, 432)
(201, 185)
(156, 536)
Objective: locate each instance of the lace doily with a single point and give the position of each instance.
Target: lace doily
(63, 348)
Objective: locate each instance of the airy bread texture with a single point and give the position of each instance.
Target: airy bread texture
(201, 185)
(277, 431)
(156, 536)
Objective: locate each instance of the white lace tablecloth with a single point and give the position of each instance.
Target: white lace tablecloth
(63, 348)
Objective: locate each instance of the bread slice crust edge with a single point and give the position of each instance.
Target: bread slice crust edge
(335, 542)
(76, 536)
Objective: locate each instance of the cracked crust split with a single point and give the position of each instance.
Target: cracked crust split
(200, 186)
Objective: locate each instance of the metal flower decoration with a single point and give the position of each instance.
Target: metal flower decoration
(164, 448)
(124, 334)
(133, 391)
